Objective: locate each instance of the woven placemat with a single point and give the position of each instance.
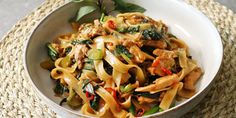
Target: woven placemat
(17, 99)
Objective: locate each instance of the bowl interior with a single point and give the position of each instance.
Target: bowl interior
(183, 21)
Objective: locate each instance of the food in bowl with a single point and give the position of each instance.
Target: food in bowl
(124, 66)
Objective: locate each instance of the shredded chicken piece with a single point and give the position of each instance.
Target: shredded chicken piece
(129, 40)
(156, 44)
(128, 43)
(192, 78)
(186, 93)
(91, 30)
(165, 53)
(80, 53)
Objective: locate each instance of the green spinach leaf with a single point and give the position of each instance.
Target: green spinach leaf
(77, 42)
(133, 29)
(52, 53)
(151, 34)
(120, 49)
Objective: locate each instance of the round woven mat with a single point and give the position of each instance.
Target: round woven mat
(17, 99)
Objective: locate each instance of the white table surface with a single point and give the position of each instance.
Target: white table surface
(13, 10)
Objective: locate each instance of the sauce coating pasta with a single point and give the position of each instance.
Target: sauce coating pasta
(124, 66)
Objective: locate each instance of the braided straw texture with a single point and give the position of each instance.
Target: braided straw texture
(17, 99)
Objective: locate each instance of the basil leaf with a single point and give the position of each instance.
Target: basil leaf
(85, 10)
(122, 6)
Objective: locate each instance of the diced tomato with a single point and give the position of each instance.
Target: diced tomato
(89, 96)
(156, 63)
(166, 71)
(111, 24)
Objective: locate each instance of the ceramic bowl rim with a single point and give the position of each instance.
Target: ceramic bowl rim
(46, 99)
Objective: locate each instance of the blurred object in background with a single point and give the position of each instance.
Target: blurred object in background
(231, 4)
(12, 11)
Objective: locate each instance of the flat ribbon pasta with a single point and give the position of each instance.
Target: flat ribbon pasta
(169, 97)
(67, 69)
(186, 65)
(86, 109)
(159, 84)
(108, 98)
(123, 68)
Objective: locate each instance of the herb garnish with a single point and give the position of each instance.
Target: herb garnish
(77, 42)
(105, 8)
(151, 34)
(52, 52)
(120, 49)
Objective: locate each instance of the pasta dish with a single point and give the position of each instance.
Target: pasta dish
(124, 66)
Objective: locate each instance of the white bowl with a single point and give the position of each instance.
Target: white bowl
(183, 20)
